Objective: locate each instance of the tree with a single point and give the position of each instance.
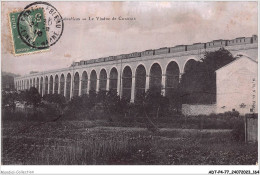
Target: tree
(9, 99)
(54, 105)
(151, 105)
(82, 103)
(217, 59)
(32, 97)
(21, 96)
(112, 102)
(199, 83)
(175, 99)
(55, 98)
(155, 103)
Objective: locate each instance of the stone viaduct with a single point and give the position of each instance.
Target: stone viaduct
(131, 74)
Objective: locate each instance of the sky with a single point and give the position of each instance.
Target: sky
(156, 25)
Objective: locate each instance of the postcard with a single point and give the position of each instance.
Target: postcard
(129, 83)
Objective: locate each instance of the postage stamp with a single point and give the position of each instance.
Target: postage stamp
(36, 28)
(28, 31)
(31, 28)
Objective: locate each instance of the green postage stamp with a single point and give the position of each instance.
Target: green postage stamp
(28, 31)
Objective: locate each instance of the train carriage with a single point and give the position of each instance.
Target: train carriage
(163, 50)
(216, 43)
(81, 62)
(196, 46)
(254, 39)
(147, 53)
(122, 56)
(100, 60)
(91, 61)
(110, 58)
(135, 54)
(239, 41)
(179, 48)
(75, 64)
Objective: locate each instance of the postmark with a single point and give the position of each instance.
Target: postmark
(53, 23)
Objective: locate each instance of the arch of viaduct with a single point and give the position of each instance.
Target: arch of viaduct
(129, 77)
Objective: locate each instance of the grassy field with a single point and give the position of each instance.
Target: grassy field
(101, 143)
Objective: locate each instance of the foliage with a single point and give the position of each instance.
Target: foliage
(238, 131)
(175, 100)
(21, 96)
(214, 121)
(199, 82)
(155, 103)
(53, 106)
(152, 105)
(55, 98)
(32, 97)
(217, 59)
(28, 97)
(80, 143)
(9, 99)
(113, 103)
(105, 103)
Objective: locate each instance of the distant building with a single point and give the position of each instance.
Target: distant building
(237, 86)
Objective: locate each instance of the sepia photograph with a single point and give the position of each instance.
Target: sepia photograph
(129, 83)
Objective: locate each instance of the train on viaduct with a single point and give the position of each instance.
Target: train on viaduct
(131, 74)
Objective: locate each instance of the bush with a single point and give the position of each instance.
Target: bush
(238, 131)
(43, 113)
(232, 113)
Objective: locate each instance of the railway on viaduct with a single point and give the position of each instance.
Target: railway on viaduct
(131, 74)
